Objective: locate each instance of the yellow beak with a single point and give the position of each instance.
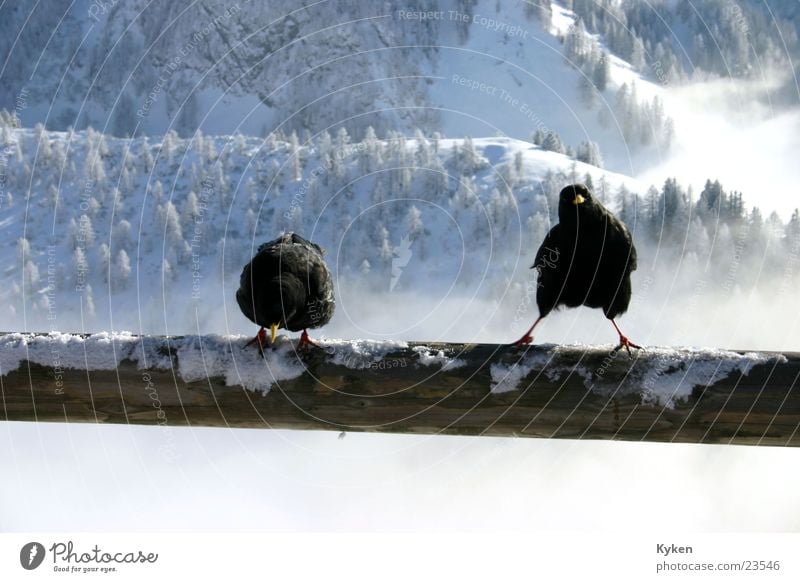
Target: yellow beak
(578, 200)
(274, 329)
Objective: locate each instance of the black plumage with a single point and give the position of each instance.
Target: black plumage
(585, 259)
(287, 285)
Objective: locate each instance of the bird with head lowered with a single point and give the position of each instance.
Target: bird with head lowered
(286, 285)
(585, 259)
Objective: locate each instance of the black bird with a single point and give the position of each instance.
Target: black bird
(286, 285)
(585, 259)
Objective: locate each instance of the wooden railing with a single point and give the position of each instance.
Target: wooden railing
(684, 396)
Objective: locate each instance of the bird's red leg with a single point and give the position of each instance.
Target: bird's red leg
(305, 341)
(260, 340)
(624, 342)
(527, 338)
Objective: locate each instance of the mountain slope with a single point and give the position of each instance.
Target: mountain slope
(112, 220)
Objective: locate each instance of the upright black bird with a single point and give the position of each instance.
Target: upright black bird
(286, 285)
(585, 259)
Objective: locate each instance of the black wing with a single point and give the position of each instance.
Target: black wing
(549, 251)
(620, 243)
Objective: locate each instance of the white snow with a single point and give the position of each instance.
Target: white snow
(198, 357)
(101, 351)
(662, 376)
(667, 377)
(508, 377)
(201, 357)
(430, 357)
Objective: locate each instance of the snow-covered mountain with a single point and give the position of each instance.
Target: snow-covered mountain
(94, 220)
(461, 67)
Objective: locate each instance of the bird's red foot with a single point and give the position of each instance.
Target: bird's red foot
(305, 342)
(525, 340)
(260, 340)
(624, 342)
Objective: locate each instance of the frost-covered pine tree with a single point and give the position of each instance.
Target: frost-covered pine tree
(325, 148)
(270, 143)
(384, 245)
(496, 209)
(169, 145)
(422, 156)
(638, 55)
(469, 161)
(465, 197)
(601, 72)
(342, 142)
(190, 212)
(435, 178)
(147, 156)
(414, 222)
(222, 186)
(30, 276)
(588, 152)
(45, 151)
(86, 231)
(575, 42)
(88, 302)
(104, 259)
(94, 170)
(552, 143)
(370, 154)
(23, 250)
(172, 225)
(509, 178)
(122, 235)
(122, 271)
(158, 192)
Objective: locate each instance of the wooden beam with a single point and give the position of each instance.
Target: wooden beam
(689, 396)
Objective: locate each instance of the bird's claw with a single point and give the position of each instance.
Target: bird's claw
(525, 340)
(624, 342)
(260, 340)
(305, 342)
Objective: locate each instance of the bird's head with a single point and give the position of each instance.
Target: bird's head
(574, 200)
